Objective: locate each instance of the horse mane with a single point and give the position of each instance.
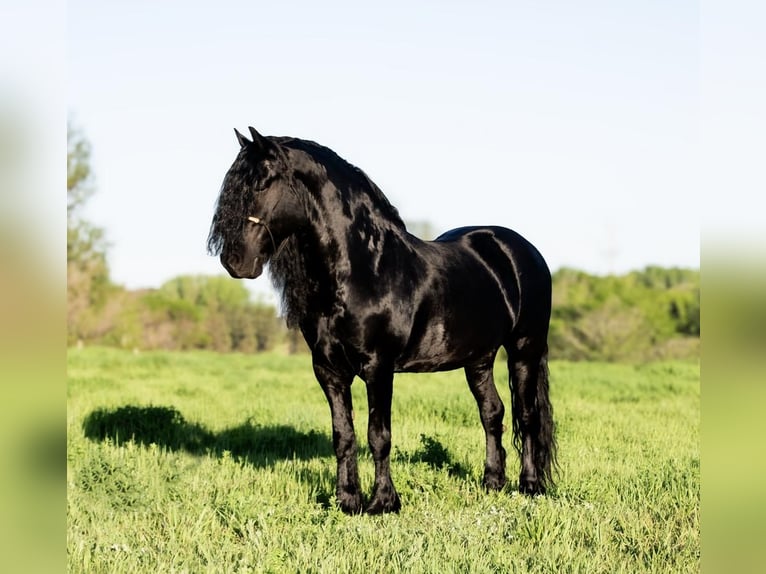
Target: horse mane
(348, 178)
(287, 269)
(296, 276)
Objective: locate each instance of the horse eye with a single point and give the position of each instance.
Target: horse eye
(263, 183)
(264, 175)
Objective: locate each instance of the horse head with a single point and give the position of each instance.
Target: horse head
(257, 209)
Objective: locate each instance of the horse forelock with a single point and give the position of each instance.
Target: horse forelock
(231, 207)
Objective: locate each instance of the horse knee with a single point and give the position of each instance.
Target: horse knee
(380, 443)
(492, 415)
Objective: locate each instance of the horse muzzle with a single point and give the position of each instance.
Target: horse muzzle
(240, 268)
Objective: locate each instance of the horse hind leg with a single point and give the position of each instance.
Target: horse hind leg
(533, 426)
(491, 411)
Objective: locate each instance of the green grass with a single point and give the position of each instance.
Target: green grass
(199, 462)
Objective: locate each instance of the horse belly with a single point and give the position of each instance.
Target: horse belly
(464, 314)
(451, 342)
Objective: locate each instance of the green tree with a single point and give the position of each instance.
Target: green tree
(88, 284)
(213, 312)
(642, 315)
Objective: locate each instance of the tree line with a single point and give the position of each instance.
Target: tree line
(649, 314)
(187, 312)
(642, 315)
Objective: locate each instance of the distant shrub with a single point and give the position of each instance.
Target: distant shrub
(637, 316)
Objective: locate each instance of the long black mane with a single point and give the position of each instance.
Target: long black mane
(348, 178)
(288, 268)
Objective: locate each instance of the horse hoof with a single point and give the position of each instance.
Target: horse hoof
(350, 504)
(380, 506)
(531, 487)
(493, 482)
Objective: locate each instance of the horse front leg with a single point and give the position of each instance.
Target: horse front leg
(379, 394)
(337, 389)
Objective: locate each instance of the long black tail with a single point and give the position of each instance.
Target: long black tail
(545, 442)
(534, 431)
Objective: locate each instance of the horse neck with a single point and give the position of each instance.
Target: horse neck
(340, 209)
(349, 216)
(339, 197)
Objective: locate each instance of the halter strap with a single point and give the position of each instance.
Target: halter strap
(259, 221)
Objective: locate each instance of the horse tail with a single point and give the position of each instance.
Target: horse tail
(534, 431)
(545, 451)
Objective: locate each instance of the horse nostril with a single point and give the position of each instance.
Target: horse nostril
(230, 259)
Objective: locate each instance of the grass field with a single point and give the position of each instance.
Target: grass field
(199, 462)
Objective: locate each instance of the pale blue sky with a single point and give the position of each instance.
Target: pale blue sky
(574, 123)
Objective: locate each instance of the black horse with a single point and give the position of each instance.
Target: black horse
(371, 300)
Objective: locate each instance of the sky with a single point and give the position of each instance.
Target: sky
(574, 123)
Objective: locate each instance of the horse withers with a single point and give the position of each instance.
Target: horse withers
(372, 300)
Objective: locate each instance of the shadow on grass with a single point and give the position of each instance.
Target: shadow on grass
(433, 453)
(167, 428)
(254, 444)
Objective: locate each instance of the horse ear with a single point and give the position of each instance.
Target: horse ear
(259, 141)
(243, 141)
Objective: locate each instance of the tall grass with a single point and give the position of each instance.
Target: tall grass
(198, 462)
